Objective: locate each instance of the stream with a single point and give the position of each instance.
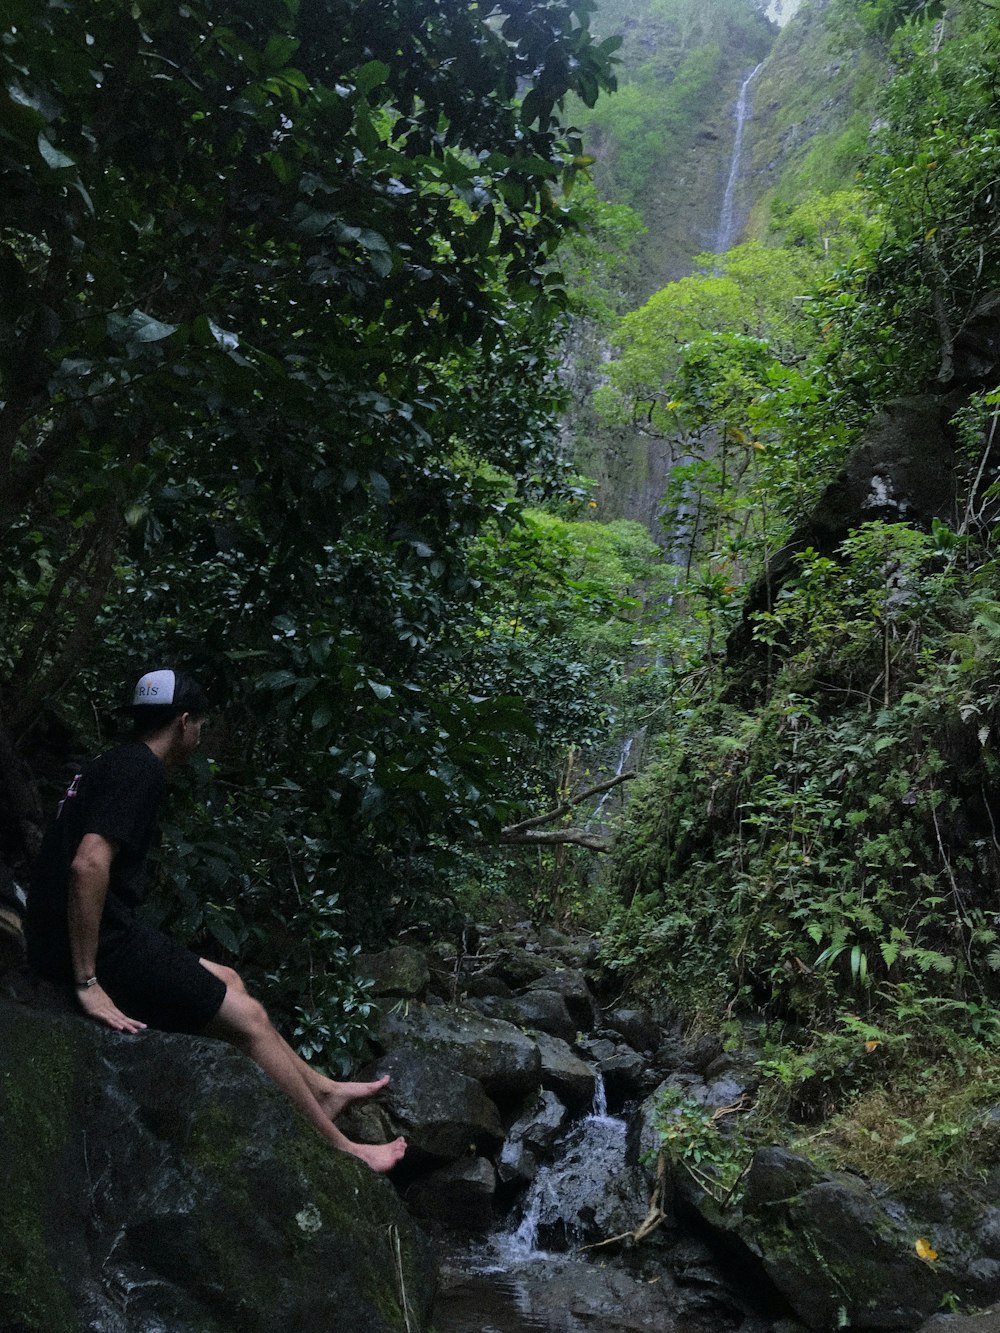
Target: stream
(507, 1283)
(511, 1283)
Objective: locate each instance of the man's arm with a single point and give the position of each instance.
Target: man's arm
(89, 875)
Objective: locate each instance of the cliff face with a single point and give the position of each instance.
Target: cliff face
(160, 1182)
(813, 112)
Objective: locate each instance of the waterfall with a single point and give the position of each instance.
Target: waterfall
(727, 218)
(568, 1189)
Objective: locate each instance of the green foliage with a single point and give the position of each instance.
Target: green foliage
(679, 54)
(275, 347)
(713, 1149)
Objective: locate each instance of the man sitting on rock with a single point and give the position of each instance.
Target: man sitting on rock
(81, 927)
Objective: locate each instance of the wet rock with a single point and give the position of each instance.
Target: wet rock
(402, 972)
(626, 1077)
(531, 1138)
(497, 1054)
(572, 985)
(537, 1011)
(986, 1321)
(827, 1245)
(565, 1074)
(480, 985)
(459, 1196)
(518, 968)
(642, 1140)
(589, 1196)
(441, 1117)
(596, 1049)
(636, 1026)
(740, 1066)
(162, 1182)
(700, 1054)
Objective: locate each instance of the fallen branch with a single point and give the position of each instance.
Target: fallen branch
(654, 1218)
(530, 832)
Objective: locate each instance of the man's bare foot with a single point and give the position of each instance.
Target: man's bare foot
(381, 1157)
(340, 1095)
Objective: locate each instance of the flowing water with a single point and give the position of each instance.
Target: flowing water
(727, 232)
(509, 1284)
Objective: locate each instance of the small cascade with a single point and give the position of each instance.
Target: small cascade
(623, 759)
(599, 1110)
(592, 1153)
(727, 218)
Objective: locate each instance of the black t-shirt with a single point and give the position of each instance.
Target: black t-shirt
(119, 796)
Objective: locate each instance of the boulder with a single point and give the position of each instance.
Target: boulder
(517, 967)
(162, 1182)
(636, 1026)
(572, 985)
(531, 1138)
(443, 1118)
(402, 972)
(481, 985)
(458, 1196)
(836, 1254)
(565, 1074)
(497, 1054)
(536, 1011)
(626, 1076)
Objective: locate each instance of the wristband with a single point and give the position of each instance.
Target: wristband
(86, 985)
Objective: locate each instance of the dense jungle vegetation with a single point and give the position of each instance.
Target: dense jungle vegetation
(287, 289)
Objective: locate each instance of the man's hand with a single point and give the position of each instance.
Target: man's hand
(97, 1003)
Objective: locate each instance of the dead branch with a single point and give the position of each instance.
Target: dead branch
(550, 837)
(655, 1216)
(567, 804)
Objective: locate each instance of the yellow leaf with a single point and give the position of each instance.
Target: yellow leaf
(924, 1250)
(674, 403)
(871, 1046)
(757, 444)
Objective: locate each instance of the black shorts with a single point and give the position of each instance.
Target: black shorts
(158, 982)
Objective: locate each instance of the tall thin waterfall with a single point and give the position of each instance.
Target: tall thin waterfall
(727, 218)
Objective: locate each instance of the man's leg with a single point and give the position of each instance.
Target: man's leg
(243, 1022)
(333, 1095)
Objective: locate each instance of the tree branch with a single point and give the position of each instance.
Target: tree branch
(550, 837)
(565, 806)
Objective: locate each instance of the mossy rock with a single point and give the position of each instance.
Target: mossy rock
(162, 1181)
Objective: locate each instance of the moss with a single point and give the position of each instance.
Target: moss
(339, 1199)
(35, 1116)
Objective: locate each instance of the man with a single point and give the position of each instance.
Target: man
(82, 929)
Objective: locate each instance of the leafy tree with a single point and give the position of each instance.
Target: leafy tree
(280, 302)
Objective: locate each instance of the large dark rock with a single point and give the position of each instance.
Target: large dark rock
(402, 972)
(572, 985)
(536, 1011)
(636, 1026)
(531, 1138)
(458, 1196)
(834, 1252)
(496, 1053)
(442, 1117)
(161, 1182)
(565, 1074)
